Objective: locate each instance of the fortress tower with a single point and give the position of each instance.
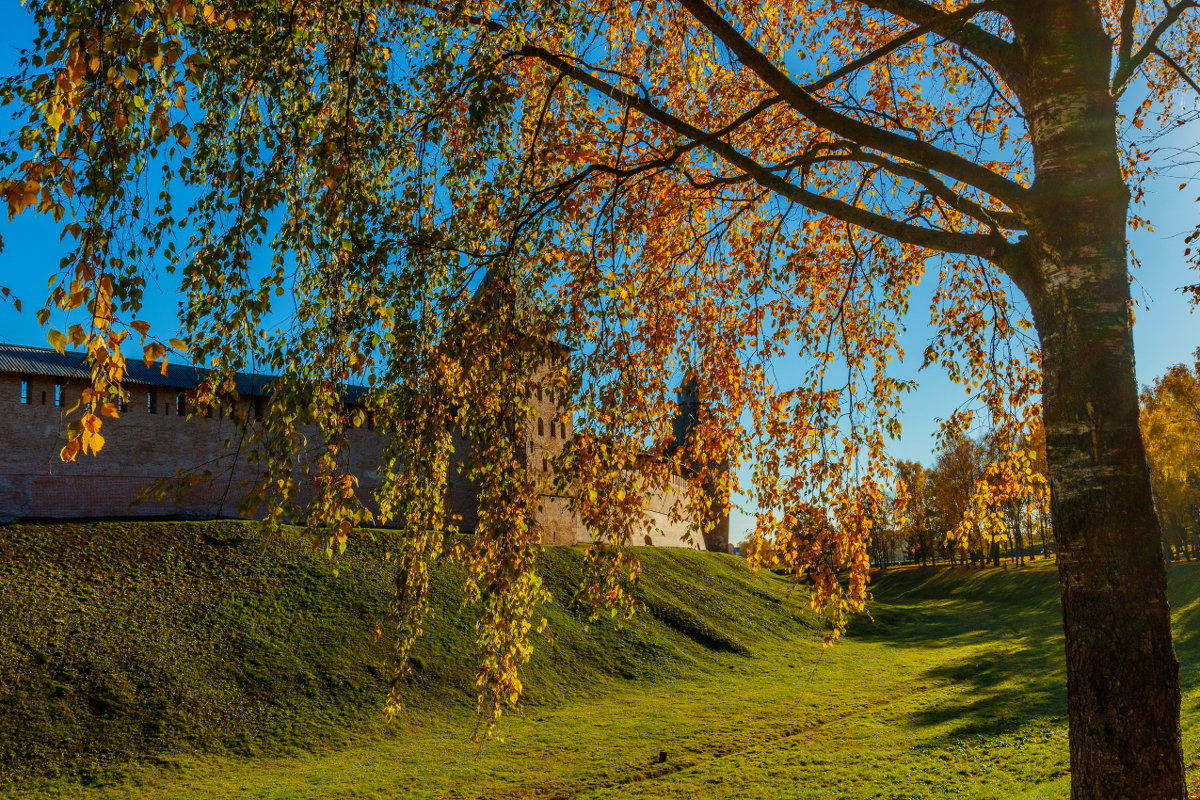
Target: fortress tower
(686, 419)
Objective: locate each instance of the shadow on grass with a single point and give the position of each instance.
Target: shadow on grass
(1184, 582)
(1005, 624)
(1010, 621)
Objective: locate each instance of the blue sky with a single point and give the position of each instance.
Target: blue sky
(1166, 331)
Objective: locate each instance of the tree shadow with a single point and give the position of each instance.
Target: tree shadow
(1009, 622)
(1014, 677)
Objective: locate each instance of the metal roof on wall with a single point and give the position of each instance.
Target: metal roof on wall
(43, 361)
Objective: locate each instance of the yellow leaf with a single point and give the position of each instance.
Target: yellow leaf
(69, 451)
(153, 352)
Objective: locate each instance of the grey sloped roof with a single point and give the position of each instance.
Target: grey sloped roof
(43, 361)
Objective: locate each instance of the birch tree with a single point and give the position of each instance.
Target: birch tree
(668, 188)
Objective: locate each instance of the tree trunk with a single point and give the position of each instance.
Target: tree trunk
(1122, 673)
(1018, 536)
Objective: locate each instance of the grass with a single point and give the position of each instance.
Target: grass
(953, 688)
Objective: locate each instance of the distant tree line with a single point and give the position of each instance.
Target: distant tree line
(1171, 430)
(956, 513)
(964, 510)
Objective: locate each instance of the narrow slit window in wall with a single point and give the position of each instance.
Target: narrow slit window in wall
(25, 391)
(541, 427)
(59, 393)
(122, 404)
(151, 402)
(180, 404)
(552, 429)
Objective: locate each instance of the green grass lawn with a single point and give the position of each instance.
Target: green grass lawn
(953, 689)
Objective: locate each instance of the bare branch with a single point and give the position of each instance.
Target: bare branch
(936, 188)
(999, 54)
(1175, 65)
(1125, 46)
(938, 25)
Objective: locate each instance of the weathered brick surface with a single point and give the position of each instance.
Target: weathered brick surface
(142, 447)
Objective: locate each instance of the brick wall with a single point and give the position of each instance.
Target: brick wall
(144, 446)
(140, 447)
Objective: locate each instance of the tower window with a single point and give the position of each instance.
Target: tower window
(25, 391)
(552, 429)
(180, 404)
(541, 427)
(151, 402)
(59, 392)
(545, 465)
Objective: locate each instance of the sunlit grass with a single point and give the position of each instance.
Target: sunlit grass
(954, 690)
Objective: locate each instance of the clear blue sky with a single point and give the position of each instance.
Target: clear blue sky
(1166, 331)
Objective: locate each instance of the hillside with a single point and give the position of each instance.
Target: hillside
(152, 662)
(130, 641)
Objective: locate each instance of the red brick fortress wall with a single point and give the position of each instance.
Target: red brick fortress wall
(140, 447)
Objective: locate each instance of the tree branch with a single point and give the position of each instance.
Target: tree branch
(1175, 65)
(938, 189)
(937, 25)
(999, 54)
(1126, 67)
(987, 246)
(1125, 47)
(927, 155)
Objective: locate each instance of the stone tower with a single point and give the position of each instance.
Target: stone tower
(716, 538)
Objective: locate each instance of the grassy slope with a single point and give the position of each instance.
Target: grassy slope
(136, 641)
(953, 690)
